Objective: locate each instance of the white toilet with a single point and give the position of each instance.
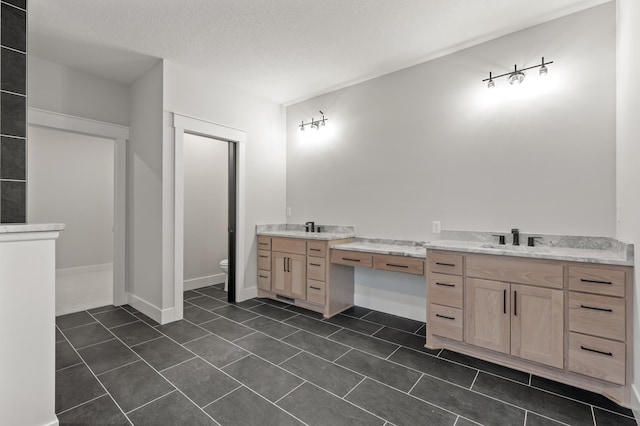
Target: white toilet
(224, 265)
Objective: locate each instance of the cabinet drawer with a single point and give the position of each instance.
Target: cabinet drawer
(595, 357)
(520, 271)
(445, 290)
(405, 264)
(597, 280)
(316, 268)
(445, 322)
(602, 316)
(351, 258)
(289, 245)
(264, 280)
(264, 260)
(315, 292)
(445, 263)
(264, 243)
(316, 248)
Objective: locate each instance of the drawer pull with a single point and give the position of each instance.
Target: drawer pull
(264, 256)
(446, 284)
(263, 244)
(263, 276)
(584, 348)
(596, 309)
(351, 260)
(445, 317)
(315, 264)
(315, 288)
(584, 280)
(504, 301)
(314, 249)
(515, 303)
(397, 266)
(445, 264)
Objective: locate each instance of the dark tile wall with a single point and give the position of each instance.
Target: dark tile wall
(13, 111)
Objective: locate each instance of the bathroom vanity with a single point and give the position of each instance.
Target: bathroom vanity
(294, 267)
(564, 313)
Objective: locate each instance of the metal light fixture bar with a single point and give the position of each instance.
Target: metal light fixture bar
(314, 123)
(516, 71)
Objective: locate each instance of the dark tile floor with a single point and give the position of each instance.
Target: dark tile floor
(261, 362)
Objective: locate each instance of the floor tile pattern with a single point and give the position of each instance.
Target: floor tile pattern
(262, 362)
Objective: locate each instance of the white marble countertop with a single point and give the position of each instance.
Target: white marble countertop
(390, 247)
(31, 227)
(610, 257)
(322, 236)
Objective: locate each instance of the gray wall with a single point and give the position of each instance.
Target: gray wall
(628, 149)
(13, 112)
(431, 142)
(205, 207)
(71, 182)
(58, 88)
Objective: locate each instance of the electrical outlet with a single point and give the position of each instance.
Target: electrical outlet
(435, 227)
(288, 211)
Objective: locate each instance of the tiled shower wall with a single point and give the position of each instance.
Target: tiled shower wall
(13, 111)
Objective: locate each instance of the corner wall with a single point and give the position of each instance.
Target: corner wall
(431, 142)
(628, 153)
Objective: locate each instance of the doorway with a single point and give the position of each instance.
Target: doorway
(206, 208)
(116, 137)
(236, 140)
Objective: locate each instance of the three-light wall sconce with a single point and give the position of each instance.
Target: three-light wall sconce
(314, 123)
(517, 75)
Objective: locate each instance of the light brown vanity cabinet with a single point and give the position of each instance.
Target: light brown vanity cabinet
(566, 321)
(300, 273)
(264, 263)
(526, 321)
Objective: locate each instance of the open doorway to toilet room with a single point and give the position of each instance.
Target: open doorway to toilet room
(71, 181)
(206, 212)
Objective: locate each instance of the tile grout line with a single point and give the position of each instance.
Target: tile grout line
(69, 366)
(98, 380)
(223, 396)
(146, 341)
(113, 369)
(288, 393)
(180, 363)
(80, 405)
(415, 384)
(474, 379)
(153, 400)
(593, 416)
(275, 405)
(162, 376)
(526, 413)
(292, 356)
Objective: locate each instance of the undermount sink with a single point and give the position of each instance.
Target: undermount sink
(512, 247)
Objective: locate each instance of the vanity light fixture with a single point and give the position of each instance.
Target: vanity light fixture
(517, 75)
(314, 123)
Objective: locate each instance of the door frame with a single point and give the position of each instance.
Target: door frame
(120, 135)
(184, 124)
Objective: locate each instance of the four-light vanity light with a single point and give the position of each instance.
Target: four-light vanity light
(314, 123)
(517, 75)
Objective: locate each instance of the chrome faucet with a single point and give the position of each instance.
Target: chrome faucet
(310, 227)
(516, 236)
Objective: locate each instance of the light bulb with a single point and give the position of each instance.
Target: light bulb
(516, 77)
(543, 70)
(491, 84)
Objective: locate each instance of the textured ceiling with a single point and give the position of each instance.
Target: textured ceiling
(282, 50)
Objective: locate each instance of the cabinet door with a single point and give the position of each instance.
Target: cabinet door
(298, 276)
(537, 324)
(279, 273)
(487, 314)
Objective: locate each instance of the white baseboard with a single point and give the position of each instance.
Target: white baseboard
(162, 316)
(54, 423)
(635, 403)
(82, 288)
(195, 283)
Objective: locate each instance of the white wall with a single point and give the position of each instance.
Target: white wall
(144, 193)
(205, 209)
(195, 94)
(628, 151)
(431, 142)
(71, 181)
(57, 88)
